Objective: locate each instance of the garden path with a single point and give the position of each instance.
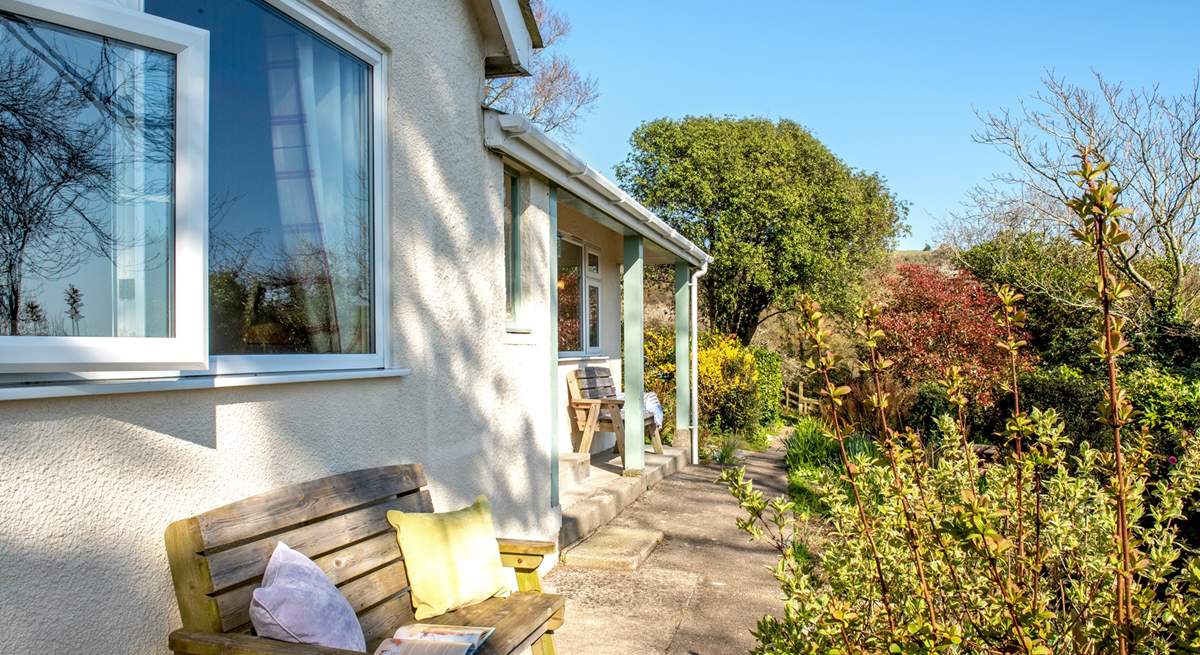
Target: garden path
(702, 589)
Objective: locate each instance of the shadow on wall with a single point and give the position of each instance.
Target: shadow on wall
(82, 519)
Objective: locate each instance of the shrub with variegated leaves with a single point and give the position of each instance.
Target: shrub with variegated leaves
(1052, 549)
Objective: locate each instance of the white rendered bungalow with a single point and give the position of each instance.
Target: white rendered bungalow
(265, 241)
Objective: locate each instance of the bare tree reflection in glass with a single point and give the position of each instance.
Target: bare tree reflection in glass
(86, 181)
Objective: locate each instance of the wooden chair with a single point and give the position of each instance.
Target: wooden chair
(217, 560)
(595, 408)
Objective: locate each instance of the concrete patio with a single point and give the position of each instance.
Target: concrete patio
(595, 491)
(700, 591)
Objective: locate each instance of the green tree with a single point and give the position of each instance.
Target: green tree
(1053, 274)
(1150, 141)
(779, 212)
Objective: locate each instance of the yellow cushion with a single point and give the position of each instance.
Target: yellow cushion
(451, 557)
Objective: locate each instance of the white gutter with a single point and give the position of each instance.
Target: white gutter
(694, 310)
(516, 137)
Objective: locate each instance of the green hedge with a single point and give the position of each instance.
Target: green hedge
(1166, 404)
(1068, 391)
(770, 384)
(1072, 394)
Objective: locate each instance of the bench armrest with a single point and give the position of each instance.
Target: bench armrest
(524, 558)
(526, 547)
(190, 642)
(584, 403)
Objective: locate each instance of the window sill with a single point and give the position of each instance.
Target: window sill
(97, 387)
(578, 357)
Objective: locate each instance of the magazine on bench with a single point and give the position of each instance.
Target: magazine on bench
(430, 639)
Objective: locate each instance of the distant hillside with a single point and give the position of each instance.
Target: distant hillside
(940, 257)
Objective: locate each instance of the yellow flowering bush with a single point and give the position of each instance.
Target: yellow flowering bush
(658, 347)
(727, 384)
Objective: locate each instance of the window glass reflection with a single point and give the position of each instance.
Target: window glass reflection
(86, 183)
(290, 229)
(593, 316)
(570, 269)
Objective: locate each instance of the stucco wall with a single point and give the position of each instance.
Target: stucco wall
(87, 486)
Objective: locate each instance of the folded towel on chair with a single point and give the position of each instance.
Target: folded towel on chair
(650, 405)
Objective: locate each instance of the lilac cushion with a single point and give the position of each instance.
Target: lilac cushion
(297, 603)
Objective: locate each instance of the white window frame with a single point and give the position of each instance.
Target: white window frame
(105, 363)
(584, 295)
(316, 20)
(512, 255)
(187, 347)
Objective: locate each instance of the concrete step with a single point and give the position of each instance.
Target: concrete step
(573, 471)
(590, 506)
(613, 548)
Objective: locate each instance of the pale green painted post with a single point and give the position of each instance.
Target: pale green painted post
(552, 337)
(633, 367)
(683, 355)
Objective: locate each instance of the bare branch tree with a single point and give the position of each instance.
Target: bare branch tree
(1153, 143)
(1026, 242)
(556, 95)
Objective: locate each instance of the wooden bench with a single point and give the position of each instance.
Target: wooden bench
(595, 408)
(217, 560)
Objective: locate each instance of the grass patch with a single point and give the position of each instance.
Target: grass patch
(760, 439)
(812, 455)
(802, 488)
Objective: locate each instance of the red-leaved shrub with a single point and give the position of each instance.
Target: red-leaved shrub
(934, 319)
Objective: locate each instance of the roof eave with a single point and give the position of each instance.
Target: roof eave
(518, 36)
(516, 137)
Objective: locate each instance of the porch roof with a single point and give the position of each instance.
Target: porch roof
(519, 139)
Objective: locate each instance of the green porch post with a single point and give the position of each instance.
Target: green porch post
(635, 385)
(683, 356)
(552, 338)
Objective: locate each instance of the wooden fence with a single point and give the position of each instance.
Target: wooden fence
(795, 400)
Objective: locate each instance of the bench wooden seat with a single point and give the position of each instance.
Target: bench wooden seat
(594, 406)
(217, 560)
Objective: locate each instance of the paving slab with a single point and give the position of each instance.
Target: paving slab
(613, 548)
(700, 592)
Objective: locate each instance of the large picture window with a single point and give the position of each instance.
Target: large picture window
(103, 208)
(294, 242)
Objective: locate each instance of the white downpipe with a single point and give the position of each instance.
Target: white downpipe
(694, 310)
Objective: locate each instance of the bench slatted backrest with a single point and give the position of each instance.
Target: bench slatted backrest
(589, 382)
(218, 558)
(593, 382)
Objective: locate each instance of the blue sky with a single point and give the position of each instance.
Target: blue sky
(889, 87)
